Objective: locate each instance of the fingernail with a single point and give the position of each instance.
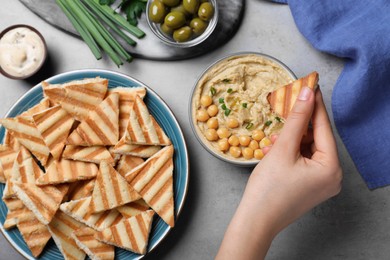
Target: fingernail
(305, 93)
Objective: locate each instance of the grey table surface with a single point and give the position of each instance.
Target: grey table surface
(353, 225)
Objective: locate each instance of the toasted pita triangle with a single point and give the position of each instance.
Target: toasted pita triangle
(143, 128)
(77, 97)
(101, 127)
(133, 208)
(11, 141)
(111, 190)
(81, 189)
(54, 124)
(79, 210)
(44, 104)
(65, 171)
(7, 157)
(84, 238)
(61, 228)
(131, 234)
(127, 163)
(16, 208)
(95, 154)
(35, 234)
(144, 151)
(24, 129)
(154, 181)
(42, 201)
(283, 99)
(126, 99)
(75, 139)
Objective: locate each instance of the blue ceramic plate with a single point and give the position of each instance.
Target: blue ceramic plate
(164, 117)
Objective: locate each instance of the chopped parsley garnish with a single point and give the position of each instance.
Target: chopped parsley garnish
(278, 119)
(229, 90)
(268, 123)
(213, 91)
(226, 80)
(249, 126)
(227, 112)
(221, 100)
(223, 107)
(244, 105)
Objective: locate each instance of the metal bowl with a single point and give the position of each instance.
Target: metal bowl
(192, 110)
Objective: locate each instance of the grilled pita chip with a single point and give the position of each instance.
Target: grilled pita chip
(101, 127)
(144, 151)
(131, 234)
(35, 234)
(143, 128)
(133, 208)
(24, 129)
(96, 250)
(42, 201)
(127, 163)
(111, 190)
(75, 139)
(79, 210)
(283, 99)
(54, 124)
(154, 181)
(77, 97)
(126, 99)
(65, 171)
(7, 157)
(43, 105)
(95, 154)
(61, 228)
(81, 189)
(11, 141)
(16, 208)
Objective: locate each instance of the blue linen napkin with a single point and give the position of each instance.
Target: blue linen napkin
(359, 31)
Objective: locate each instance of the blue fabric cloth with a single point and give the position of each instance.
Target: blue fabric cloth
(359, 31)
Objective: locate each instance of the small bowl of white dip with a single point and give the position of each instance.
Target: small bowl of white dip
(23, 51)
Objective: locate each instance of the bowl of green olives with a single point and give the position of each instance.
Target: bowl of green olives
(182, 23)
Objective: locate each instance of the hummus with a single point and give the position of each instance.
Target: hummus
(239, 87)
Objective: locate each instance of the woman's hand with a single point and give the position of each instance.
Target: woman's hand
(299, 172)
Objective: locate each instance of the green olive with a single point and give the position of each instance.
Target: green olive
(206, 11)
(166, 29)
(191, 6)
(175, 20)
(183, 34)
(157, 12)
(171, 3)
(198, 26)
(180, 8)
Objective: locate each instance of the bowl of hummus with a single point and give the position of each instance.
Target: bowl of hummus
(230, 113)
(23, 51)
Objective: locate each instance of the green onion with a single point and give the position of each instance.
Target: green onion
(244, 105)
(119, 20)
(223, 107)
(97, 11)
(268, 123)
(213, 91)
(221, 100)
(227, 112)
(249, 126)
(80, 27)
(278, 119)
(229, 90)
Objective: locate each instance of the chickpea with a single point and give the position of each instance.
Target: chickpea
(211, 135)
(206, 100)
(247, 153)
(235, 151)
(201, 115)
(212, 123)
(258, 135)
(265, 142)
(223, 144)
(232, 123)
(223, 132)
(233, 140)
(258, 154)
(244, 140)
(212, 110)
(254, 144)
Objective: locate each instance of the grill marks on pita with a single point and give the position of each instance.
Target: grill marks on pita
(95, 154)
(143, 151)
(131, 234)
(283, 99)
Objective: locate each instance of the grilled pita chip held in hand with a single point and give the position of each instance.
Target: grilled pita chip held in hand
(283, 99)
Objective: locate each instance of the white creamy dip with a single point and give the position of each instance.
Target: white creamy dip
(22, 52)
